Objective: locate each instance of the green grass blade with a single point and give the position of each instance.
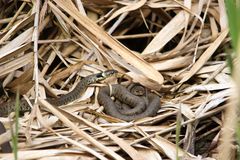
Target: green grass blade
(15, 135)
(233, 12)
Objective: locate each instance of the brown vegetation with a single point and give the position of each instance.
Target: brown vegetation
(177, 48)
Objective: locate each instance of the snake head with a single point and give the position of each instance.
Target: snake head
(108, 73)
(100, 76)
(105, 74)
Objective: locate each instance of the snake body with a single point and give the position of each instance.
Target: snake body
(125, 96)
(132, 101)
(8, 107)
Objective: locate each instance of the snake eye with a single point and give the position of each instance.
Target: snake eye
(100, 75)
(89, 81)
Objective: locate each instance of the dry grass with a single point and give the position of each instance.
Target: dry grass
(177, 48)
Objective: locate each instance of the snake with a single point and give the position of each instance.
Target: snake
(8, 107)
(137, 111)
(136, 100)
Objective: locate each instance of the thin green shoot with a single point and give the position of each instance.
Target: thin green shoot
(178, 130)
(15, 134)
